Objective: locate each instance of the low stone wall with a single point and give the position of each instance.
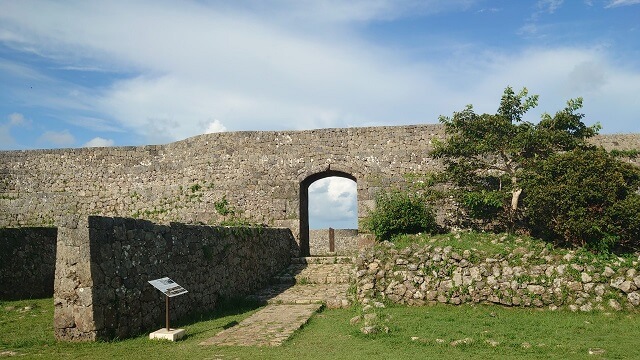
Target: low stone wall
(104, 265)
(421, 275)
(346, 242)
(27, 262)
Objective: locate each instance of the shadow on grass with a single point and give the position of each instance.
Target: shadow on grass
(226, 307)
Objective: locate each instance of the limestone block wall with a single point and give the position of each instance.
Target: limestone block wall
(427, 274)
(27, 262)
(259, 174)
(346, 241)
(104, 265)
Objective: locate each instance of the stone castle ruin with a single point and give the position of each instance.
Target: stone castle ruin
(120, 216)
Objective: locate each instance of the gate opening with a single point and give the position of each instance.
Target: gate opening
(327, 200)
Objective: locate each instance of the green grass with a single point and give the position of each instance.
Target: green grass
(519, 333)
(483, 245)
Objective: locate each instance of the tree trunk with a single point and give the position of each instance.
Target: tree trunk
(515, 193)
(515, 197)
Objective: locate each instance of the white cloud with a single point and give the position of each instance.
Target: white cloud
(362, 10)
(616, 3)
(204, 61)
(549, 6)
(341, 189)
(57, 138)
(587, 77)
(609, 90)
(532, 27)
(17, 119)
(214, 127)
(99, 142)
(7, 141)
(95, 124)
(19, 70)
(333, 202)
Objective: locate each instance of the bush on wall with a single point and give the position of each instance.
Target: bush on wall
(399, 212)
(585, 198)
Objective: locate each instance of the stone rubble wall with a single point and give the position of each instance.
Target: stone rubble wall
(428, 274)
(27, 262)
(346, 242)
(104, 265)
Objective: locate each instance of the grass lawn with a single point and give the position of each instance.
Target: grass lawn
(416, 333)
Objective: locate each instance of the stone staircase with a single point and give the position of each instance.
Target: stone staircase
(312, 280)
(292, 298)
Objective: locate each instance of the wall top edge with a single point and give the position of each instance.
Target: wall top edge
(213, 136)
(605, 139)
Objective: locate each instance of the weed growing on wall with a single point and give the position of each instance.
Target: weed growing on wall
(223, 207)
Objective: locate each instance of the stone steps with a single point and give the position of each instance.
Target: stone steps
(317, 273)
(331, 295)
(323, 260)
(312, 280)
(302, 289)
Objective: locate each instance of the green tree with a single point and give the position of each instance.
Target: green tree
(584, 198)
(488, 153)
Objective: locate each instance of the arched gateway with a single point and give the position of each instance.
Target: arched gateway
(304, 204)
(258, 176)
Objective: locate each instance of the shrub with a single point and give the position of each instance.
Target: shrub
(400, 213)
(483, 204)
(585, 198)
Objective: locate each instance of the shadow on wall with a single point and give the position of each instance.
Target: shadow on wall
(104, 265)
(27, 262)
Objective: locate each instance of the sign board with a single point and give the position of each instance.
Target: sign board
(168, 287)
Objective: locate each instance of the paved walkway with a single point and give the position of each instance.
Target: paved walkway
(270, 326)
(298, 293)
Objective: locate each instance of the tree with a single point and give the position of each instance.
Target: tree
(487, 153)
(585, 198)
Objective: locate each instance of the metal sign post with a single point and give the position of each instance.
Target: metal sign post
(170, 289)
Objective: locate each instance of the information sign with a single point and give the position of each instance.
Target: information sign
(168, 287)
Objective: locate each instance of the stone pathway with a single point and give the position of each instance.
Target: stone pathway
(270, 326)
(296, 294)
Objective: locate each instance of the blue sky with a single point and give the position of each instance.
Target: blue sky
(139, 72)
(115, 73)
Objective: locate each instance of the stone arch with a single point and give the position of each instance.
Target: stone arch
(304, 203)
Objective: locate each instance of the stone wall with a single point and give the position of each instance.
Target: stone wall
(345, 242)
(27, 262)
(104, 265)
(261, 174)
(419, 275)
